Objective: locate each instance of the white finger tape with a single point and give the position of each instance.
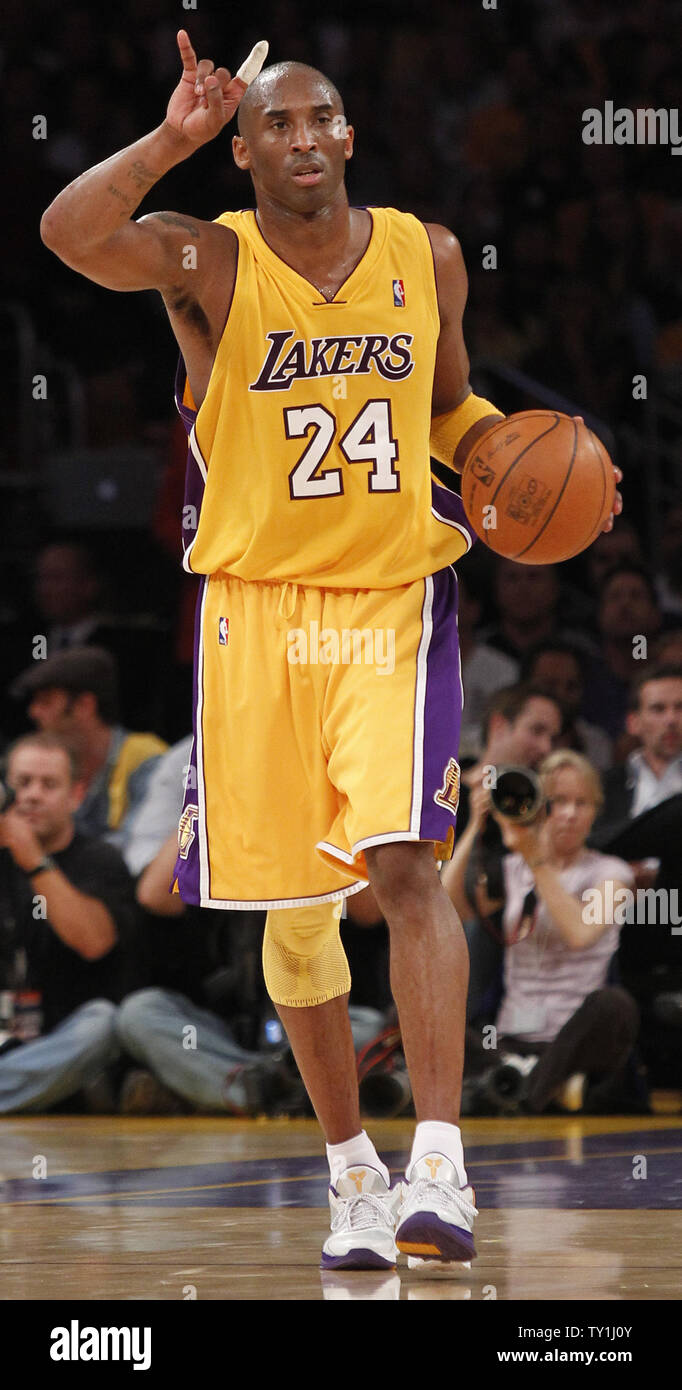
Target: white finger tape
(252, 65)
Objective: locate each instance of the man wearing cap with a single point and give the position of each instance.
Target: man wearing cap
(75, 694)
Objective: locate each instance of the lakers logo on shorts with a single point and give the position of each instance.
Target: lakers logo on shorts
(448, 794)
(186, 831)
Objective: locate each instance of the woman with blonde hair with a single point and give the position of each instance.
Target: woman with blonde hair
(559, 1013)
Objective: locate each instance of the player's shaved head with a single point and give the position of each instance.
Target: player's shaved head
(266, 89)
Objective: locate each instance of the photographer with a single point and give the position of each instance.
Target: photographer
(521, 726)
(67, 916)
(573, 1030)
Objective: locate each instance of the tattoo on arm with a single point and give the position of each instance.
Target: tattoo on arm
(141, 175)
(175, 219)
(122, 197)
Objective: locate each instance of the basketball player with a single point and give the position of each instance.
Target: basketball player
(322, 366)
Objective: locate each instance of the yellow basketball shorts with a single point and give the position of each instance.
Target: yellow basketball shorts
(325, 721)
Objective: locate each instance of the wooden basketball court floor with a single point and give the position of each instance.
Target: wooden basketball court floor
(219, 1209)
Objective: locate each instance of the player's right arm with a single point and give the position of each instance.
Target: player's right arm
(89, 225)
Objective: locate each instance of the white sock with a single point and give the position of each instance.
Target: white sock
(432, 1136)
(359, 1149)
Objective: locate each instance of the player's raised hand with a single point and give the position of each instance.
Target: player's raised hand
(207, 97)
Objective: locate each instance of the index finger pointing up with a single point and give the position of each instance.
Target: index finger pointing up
(189, 57)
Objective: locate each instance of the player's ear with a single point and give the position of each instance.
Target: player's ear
(348, 142)
(240, 152)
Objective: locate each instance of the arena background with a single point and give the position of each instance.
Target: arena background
(466, 115)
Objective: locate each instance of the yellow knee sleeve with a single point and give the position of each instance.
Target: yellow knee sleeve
(304, 962)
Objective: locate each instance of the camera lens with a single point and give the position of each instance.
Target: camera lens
(517, 794)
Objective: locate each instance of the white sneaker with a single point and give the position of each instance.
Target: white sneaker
(364, 1212)
(437, 1216)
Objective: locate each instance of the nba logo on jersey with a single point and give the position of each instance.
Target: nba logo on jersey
(223, 631)
(399, 294)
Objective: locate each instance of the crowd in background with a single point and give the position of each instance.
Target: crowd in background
(476, 125)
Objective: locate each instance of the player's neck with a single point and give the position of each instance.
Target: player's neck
(289, 233)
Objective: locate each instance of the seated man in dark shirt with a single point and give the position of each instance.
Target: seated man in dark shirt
(67, 916)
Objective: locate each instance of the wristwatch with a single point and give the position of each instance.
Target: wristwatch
(46, 863)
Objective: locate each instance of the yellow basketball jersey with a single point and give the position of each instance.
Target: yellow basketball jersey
(312, 443)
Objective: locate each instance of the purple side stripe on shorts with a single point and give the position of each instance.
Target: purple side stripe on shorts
(442, 709)
(187, 865)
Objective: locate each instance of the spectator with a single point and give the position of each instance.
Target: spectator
(67, 922)
(653, 771)
(75, 694)
(157, 815)
(642, 822)
(610, 551)
(557, 668)
(484, 670)
(669, 577)
(199, 959)
(184, 1049)
(564, 1027)
(521, 727)
(528, 602)
(667, 649)
(629, 619)
(70, 610)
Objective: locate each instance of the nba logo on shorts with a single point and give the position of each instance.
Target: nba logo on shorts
(223, 631)
(399, 294)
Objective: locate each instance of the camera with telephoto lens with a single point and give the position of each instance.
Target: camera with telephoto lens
(7, 796)
(517, 794)
(505, 1086)
(383, 1081)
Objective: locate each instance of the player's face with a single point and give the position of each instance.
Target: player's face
(572, 810)
(658, 721)
(296, 144)
(45, 793)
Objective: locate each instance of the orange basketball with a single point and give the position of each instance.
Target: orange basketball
(538, 487)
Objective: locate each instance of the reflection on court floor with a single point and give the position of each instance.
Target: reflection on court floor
(216, 1209)
(602, 1171)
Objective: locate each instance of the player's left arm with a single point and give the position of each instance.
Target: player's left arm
(459, 418)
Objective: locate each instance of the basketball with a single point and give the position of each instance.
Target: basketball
(538, 487)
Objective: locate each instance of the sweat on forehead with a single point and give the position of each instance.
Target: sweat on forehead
(269, 88)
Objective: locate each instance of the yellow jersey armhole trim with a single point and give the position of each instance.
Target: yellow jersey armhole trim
(430, 280)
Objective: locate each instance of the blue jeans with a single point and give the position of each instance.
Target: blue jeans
(188, 1048)
(192, 1051)
(43, 1072)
